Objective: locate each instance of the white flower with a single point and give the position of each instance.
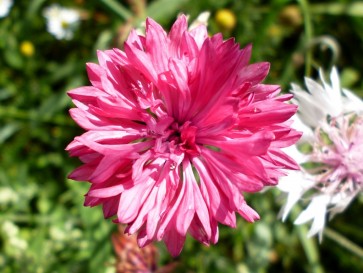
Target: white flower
(8, 196)
(61, 22)
(332, 124)
(5, 6)
(13, 239)
(320, 101)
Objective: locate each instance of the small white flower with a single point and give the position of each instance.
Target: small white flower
(10, 229)
(18, 243)
(61, 22)
(12, 235)
(332, 124)
(8, 196)
(5, 6)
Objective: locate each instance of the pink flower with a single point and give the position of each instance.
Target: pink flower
(338, 170)
(331, 176)
(178, 126)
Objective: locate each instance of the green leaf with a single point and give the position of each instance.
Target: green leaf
(161, 9)
(104, 40)
(5, 93)
(53, 104)
(117, 8)
(14, 59)
(7, 131)
(34, 6)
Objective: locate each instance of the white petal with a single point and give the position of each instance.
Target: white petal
(335, 82)
(341, 202)
(295, 184)
(316, 211)
(333, 92)
(293, 152)
(308, 134)
(352, 102)
(325, 99)
(310, 110)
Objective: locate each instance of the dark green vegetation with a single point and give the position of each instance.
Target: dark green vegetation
(44, 226)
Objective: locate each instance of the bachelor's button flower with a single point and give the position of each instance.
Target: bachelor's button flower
(178, 126)
(331, 175)
(61, 22)
(337, 169)
(202, 19)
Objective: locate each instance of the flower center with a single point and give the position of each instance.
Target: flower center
(184, 137)
(172, 134)
(339, 150)
(65, 25)
(187, 139)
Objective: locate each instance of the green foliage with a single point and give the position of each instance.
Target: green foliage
(44, 226)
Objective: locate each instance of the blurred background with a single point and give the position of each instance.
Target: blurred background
(43, 50)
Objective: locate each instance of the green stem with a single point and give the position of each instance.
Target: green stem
(117, 8)
(310, 249)
(351, 9)
(309, 246)
(139, 8)
(14, 113)
(304, 4)
(344, 242)
(25, 218)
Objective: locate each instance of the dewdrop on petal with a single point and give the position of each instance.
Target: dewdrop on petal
(173, 139)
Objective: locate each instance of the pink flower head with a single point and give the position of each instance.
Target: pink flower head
(333, 176)
(338, 149)
(332, 172)
(338, 153)
(177, 126)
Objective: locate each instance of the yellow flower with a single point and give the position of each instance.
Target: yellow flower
(27, 48)
(226, 19)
